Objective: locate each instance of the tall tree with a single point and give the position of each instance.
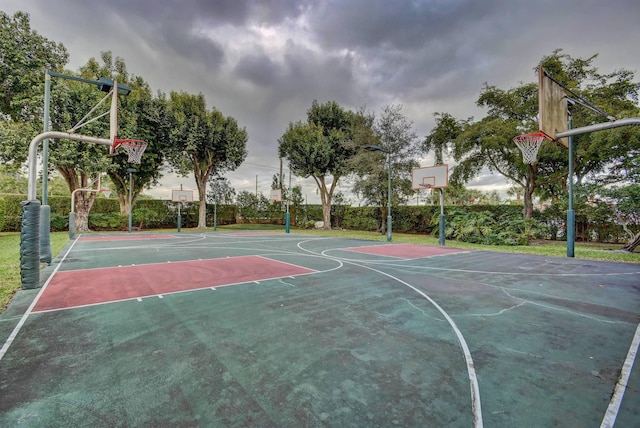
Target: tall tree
(487, 143)
(321, 149)
(396, 136)
(203, 143)
(220, 191)
(24, 55)
(140, 116)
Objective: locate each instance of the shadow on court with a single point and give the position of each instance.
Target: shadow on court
(250, 329)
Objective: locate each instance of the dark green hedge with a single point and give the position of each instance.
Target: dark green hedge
(417, 219)
(3, 209)
(155, 213)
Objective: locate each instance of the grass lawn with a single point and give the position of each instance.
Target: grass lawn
(10, 249)
(10, 262)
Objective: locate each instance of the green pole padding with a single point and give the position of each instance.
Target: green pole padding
(179, 223)
(45, 236)
(30, 244)
(288, 223)
(72, 225)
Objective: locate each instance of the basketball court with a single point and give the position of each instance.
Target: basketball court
(275, 329)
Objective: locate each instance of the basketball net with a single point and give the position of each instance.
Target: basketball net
(133, 148)
(529, 144)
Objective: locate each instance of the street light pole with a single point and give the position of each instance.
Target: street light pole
(215, 212)
(216, 194)
(380, 149)
(389, 197)
(131, 171)
(571, 214)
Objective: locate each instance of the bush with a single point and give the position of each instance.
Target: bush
(107, 222)
(59, 223)
(309, 224)
(146, 217)
(361, 218)
(3, 208)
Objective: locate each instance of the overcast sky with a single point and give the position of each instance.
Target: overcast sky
(264, 62)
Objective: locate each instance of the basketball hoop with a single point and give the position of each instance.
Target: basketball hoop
(426, 185)
(133, 148)
(529, 144)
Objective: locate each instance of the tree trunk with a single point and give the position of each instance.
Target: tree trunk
(326, 215)
(325, 196)
(123, 201)
(84, 202)
(82, 221)
(633, 244)
(201, 184)
(528, 192)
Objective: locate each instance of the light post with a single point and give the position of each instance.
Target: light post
(571, 214)
(215, 212)
(131, 171)
(216, 193)
(380, 149)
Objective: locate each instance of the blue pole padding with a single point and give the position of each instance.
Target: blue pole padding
(30, 244)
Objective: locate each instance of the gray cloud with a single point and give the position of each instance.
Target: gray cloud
(264, 62)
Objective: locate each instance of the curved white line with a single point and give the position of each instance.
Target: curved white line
(473, 378)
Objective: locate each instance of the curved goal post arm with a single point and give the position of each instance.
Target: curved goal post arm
(30, 231)
(33, 154)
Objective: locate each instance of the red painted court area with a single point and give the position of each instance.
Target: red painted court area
(92, 286)
(124, 238)
(405, 251)
(255, 233)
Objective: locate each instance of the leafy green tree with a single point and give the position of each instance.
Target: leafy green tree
(203, 143)
(397, 138)
(459, 194)
(320, 148)
(140, 116)
(24, 55)
(625, 202)
(220, 191)
(251, 205)
(12, 180)
(247, 204)
(487, 143)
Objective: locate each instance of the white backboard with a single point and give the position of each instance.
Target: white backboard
(430, 177)
(182, 195)
(275, 195)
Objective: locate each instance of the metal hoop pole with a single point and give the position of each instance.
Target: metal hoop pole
(571, 214)
(441, 237)
(389, 199)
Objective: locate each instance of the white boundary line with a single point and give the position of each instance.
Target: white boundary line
(24, 317)
(609, 419)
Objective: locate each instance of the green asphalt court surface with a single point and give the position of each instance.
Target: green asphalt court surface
(258, 329)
